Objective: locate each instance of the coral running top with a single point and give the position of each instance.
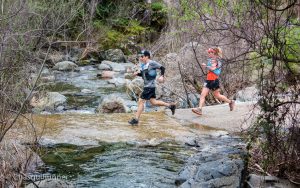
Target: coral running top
(213, 74)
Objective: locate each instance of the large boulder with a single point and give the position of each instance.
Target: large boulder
(247, 94)
(172, 86)
(49, 101)
(65, 66)
(112, 104)
(115, 55)
(134, 88)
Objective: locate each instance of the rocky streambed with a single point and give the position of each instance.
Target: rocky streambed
(82, 111)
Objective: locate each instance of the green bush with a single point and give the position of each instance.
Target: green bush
(157, 6)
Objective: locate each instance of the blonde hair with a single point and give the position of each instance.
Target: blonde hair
(218, 52)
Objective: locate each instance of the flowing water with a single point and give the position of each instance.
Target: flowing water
(96, 150)
(102, 150)
(117, 165)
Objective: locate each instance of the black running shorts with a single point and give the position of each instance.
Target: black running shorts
(212, 84)
(148, 93)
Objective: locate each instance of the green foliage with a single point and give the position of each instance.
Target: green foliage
(105, 9)
(98, 24)
(207, 8)
(189, 13)
(158, 6)
(113, 39)
(119, 22)
(292, 47)
(134, 28)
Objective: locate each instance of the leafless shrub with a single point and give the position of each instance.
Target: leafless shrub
(26, 28)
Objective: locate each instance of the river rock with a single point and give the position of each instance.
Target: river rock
(48, 101)
(247, 94)
(217, 164)
(112, 104)
(118, 82)
(65, 66)
(50, 78)
(104, 66)
(134, 88)
(87, 91)
(173, 83)
(106, 74)
(51, 183)
(115, 55)
(117, 67)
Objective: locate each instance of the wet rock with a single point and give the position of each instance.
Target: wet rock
(86, 91)
(112, 104)
(65, 66)
(51, 183)
(193, 142)
(118, 82)
(115, 55)
(60, 108)
(130, 103)
(48, 101)
(213, 166)
(104, 66)
(117, 67)
(133, 108)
